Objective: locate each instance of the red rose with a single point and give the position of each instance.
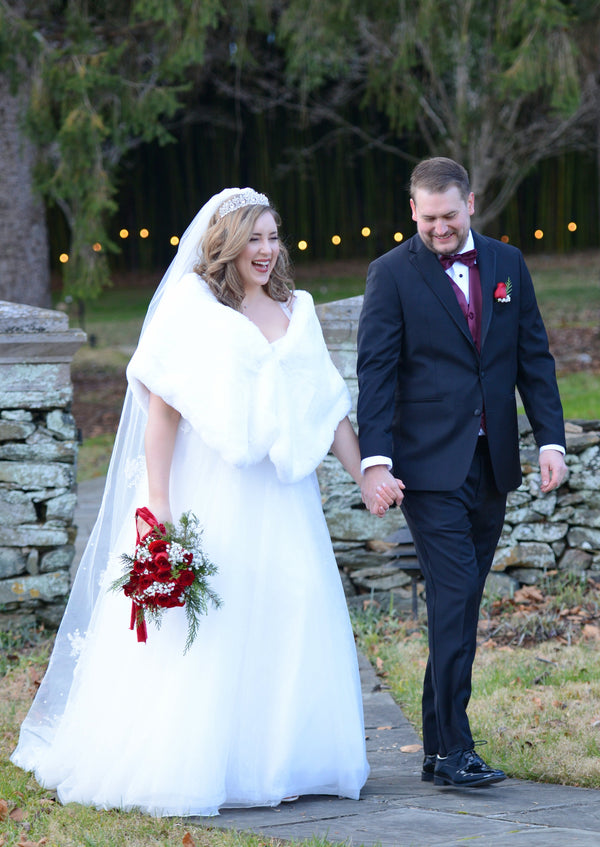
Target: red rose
(172, 600)
(158, 546)
(161, 560)
(500, 292)
(130, 587)
(164, 575)
(185, 578)
(145, 582)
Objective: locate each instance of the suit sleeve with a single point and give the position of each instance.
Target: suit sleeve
(380, 331)
(536, 374)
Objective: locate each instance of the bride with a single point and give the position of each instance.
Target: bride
(232, 403)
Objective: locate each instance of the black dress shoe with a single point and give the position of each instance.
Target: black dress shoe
(465, 769)
(428, 767)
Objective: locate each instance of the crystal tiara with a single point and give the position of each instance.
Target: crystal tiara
(247, 197)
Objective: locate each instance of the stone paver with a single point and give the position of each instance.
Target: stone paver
(396, 809)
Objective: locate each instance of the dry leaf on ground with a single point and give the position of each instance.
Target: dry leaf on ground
(411, 748)
(529, 594)
(188, 841)
(17, 815)
(3, 810)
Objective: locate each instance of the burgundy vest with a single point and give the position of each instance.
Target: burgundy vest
(472, 311)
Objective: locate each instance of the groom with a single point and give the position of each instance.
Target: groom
(442, 343)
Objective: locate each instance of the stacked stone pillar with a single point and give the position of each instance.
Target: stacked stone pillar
(38, 459)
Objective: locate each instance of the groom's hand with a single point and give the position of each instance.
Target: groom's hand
(380, 489)
(553, 469)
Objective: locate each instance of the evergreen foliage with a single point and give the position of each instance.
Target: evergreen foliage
(104, 77)
(498, 86)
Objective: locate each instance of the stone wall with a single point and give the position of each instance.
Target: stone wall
(38, 454)
(557, 531)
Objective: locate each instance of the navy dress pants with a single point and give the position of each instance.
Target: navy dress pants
(455, 535)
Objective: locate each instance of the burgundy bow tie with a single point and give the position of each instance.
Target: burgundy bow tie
(468, 258)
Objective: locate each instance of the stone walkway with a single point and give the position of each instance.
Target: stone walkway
(396, 808)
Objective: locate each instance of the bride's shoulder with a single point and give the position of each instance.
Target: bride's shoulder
(196, 285)
(301, 301)
(302, 295)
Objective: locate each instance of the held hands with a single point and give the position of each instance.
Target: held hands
(380, 489)
(553, 469)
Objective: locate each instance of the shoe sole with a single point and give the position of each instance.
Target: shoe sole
(482, 783)
(426, 777)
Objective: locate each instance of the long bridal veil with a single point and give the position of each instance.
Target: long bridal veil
(118, 506)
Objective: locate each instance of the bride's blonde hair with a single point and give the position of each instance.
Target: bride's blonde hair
(223, 242)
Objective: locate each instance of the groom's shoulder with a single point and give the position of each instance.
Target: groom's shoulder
(501, 248)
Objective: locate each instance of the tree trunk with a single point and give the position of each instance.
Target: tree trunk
(24, 252)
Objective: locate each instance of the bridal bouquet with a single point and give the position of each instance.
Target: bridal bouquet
(167, 569)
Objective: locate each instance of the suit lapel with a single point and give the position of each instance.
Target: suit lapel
(434, 275)
(486, 261)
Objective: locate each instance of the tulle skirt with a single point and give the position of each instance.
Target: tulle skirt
(265, 704)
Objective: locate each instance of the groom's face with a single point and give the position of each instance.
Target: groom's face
(443, 220)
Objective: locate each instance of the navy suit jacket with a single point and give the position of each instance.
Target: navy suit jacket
(422, 383)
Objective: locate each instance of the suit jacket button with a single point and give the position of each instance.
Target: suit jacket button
(477, 413)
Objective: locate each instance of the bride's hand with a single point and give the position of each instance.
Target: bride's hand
(162, 513)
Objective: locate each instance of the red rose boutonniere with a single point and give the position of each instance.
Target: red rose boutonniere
(502, 292)
(167, 569)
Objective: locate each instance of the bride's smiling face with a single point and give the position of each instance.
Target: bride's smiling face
(256, 261)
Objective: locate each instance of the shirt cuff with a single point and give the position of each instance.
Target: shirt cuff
(371, 461)
(558, 447)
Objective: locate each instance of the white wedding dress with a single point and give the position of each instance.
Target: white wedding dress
(266, 703)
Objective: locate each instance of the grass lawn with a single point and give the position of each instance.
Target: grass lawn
(537, 707)
(567, 288)
(536, 676)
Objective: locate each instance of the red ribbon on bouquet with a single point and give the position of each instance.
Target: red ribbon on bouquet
(138, 619)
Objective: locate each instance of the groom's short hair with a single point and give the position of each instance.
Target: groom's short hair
(439, 174)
